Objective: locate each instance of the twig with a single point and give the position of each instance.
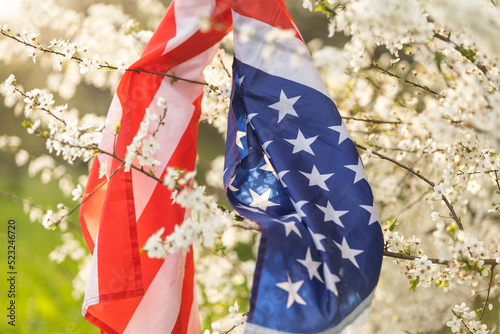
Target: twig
(48, 111)
(489, 262)
(394, 75)
(107, 66)
(461, 50)
(371, 120)
(486, 302)
(423, 178)
(497, 181)
(407, 207)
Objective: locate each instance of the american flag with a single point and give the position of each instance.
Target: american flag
(292, 167)
(127, 291)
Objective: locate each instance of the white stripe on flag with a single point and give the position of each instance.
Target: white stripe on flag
(160, 305)
(292, 62)
(180, 97)
(108, 134)
(186, 23)
(92, 290)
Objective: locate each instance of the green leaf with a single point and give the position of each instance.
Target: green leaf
(439, 57)
(414, 283)
(468, 53)
(393, 224)
(219, 247)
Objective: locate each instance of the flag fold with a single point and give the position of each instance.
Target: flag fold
(291, 166)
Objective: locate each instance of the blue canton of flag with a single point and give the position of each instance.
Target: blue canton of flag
(292, 167)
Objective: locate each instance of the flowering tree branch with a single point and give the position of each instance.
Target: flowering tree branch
(73, 55)
(490, 285)
(423, 178)
(404, 80)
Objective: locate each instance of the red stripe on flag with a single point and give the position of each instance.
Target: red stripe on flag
(273, 13)
(124, 274)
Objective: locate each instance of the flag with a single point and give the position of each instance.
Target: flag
(127, 291)
(292, 167)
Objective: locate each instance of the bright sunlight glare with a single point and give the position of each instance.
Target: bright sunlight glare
(8, 8)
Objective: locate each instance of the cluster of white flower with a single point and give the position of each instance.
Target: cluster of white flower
(176, 178)
(465, 321)
(239, 320)
(461, 258)
(52, 219)
(144, 145)
(215, 102)
(206, 222)
(71, 248)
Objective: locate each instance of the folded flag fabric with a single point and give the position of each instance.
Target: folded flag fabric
(292, 167)
(127, 291)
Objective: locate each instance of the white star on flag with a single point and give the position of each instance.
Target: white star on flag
(312, 266)
(249, 119)
(293, 291)
(342, 130)
(298, 205)
(373, 213)
(268, 167)
(317, 237)
(285, 106)
(302, 143)
(330, 280)
(317, 179)
(348, 253)
(265, 145)
(230, 186)
(359, 170)
(239, 135)
(280, 177)
(261, 201)
(331, 214)
(240, 80)
(289, 227)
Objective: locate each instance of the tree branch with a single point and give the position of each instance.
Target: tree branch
(105, 65)
(394, 75)
(462, 51)
(423, 178)
(371, 120)
(486, 302)
(489, 262)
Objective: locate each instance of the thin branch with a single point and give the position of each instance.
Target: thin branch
(486, 302)
(246, 227)
(48, 111)
(394, 75)
(87, 197)
(497, 181)
(423, 178)
(107, 66)
(371, 120)
(489, 262)
(407, 207)
(462, 51)
(13, 198)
